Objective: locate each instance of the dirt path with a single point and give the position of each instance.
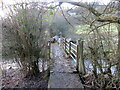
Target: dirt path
(62, 75)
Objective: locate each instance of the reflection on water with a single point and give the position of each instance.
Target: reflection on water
(89, 67)
(6, 64)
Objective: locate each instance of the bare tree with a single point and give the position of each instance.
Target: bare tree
(100, 46)
(26, 33)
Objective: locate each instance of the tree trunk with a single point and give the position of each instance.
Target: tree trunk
(35, 68)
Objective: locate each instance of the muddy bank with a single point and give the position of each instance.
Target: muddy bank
(38, 81)
(14, 77)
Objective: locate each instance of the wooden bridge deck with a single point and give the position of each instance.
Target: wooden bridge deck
(61, 73)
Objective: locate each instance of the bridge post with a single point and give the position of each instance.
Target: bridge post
(49, 57)
(69, 48)
(78, 56)
(49, 48)
(81, 66)
(65, 44)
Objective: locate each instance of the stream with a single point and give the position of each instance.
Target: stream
(89, 67)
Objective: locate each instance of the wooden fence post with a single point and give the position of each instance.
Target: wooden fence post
(81, 60)
(69, 48)
(49, 57)
(78, 56)
(49, 47)
(65, 44)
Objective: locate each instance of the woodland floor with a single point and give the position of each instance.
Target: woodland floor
(38, 81)
(11, 74)
(15, 78)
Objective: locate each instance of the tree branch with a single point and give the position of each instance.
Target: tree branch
(90, 8)
(66, 18)
(108, 18)
(99, 16)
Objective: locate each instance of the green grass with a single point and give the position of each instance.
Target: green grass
(80, 29)
(111, 28)
(84, 29)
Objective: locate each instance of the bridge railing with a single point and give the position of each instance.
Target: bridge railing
(49, 49)
(75, 51)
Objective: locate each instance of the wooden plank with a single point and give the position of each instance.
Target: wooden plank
(74, 49)
(75, 45)
(74, 54)
(67, 48)
(67, 44)
(72, 58)
(49, 47)
(62, 78)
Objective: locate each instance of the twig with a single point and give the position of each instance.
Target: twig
(99, 27)
(66, 18)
